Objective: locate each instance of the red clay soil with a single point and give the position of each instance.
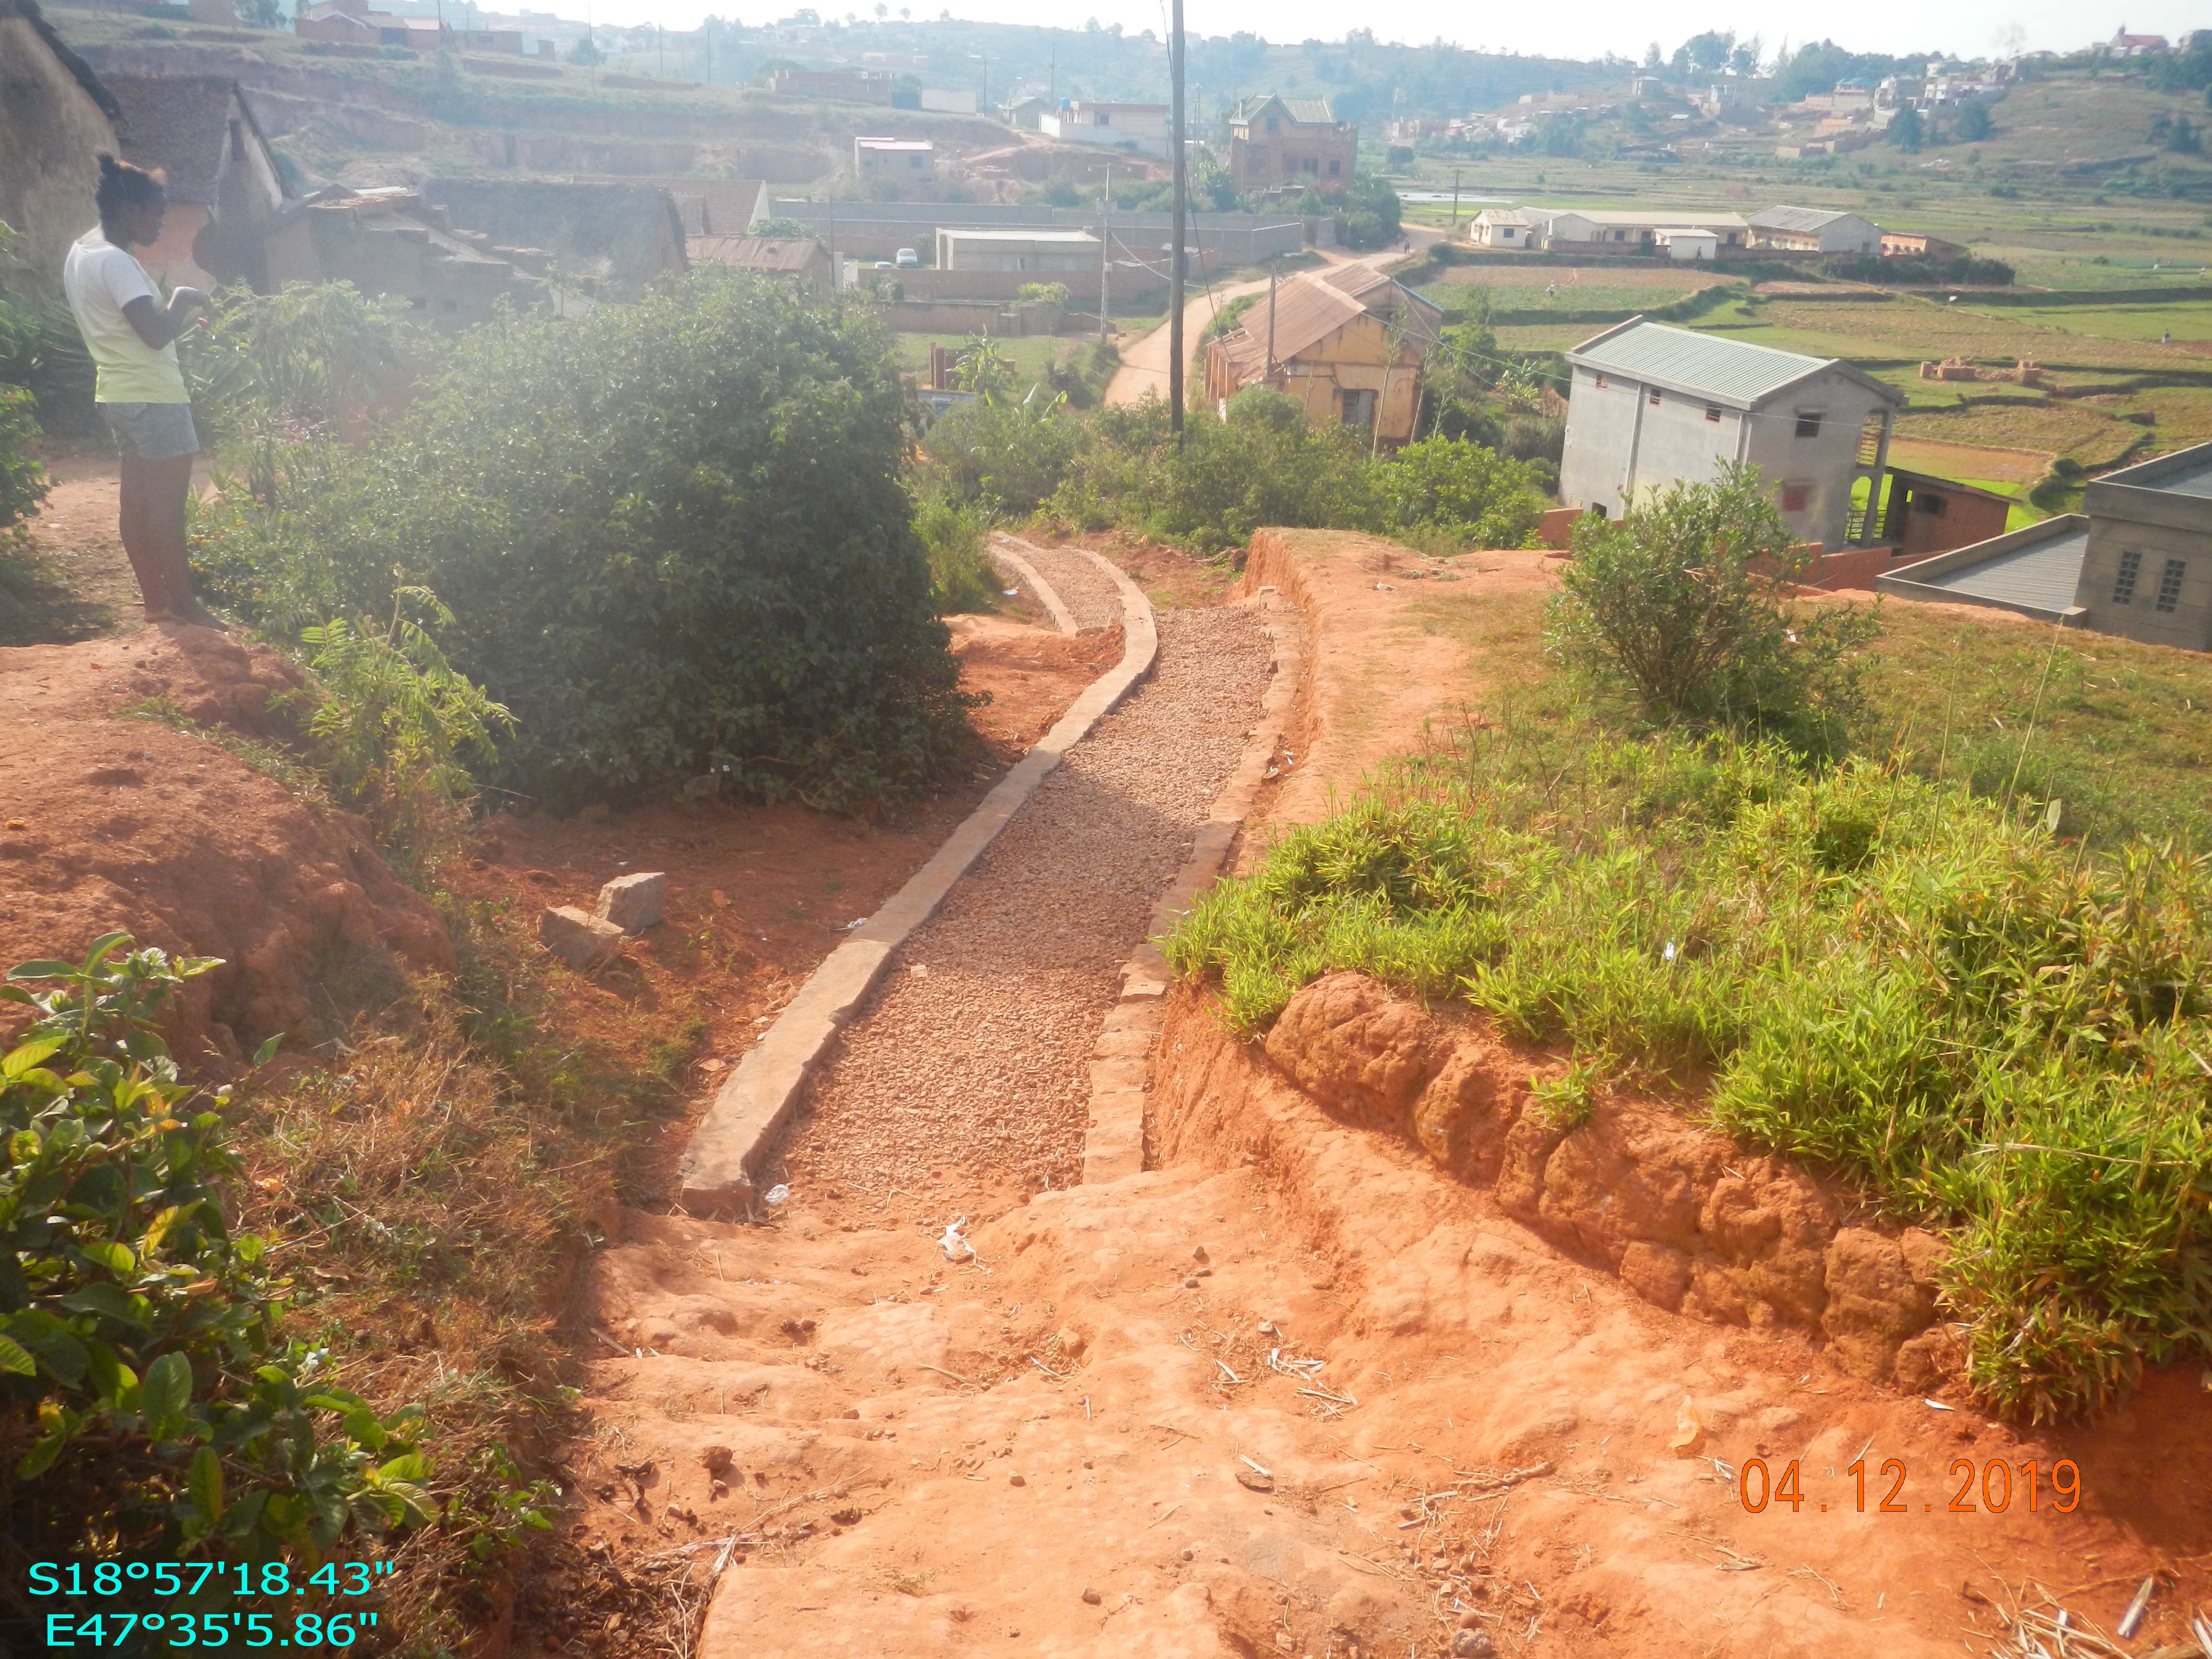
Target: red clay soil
(1101, 1435)
(112, 824)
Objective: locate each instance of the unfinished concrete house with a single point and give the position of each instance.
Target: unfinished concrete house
(1348, 342)
(1654, 406)
(610, 241)
(391, 241)
(227, 194)
(801, 257)
(55, 117)
(2136, 560)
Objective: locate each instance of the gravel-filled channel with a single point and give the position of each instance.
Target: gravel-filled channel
(1089, 592)
(972, 1058)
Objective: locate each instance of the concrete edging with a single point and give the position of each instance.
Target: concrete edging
(1113, 1140)
(716, 1175)
(1062, 617)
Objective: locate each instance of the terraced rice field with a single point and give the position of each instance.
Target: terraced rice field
(1580, 288)
(1912, 330)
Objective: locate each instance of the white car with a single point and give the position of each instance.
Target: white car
(908, 260)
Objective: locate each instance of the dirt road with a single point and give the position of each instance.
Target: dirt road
(1144, 359)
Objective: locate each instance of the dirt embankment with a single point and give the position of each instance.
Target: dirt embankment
(1689, 1220)
(170, 828)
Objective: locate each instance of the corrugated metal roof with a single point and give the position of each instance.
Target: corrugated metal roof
(1666, 219)
(2196, 481)
(1798, 218)
(755, 253)
(1306, 112)
(1732, 371)
(2040, 577)
(1314, 305)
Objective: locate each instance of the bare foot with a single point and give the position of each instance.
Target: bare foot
(190, 611)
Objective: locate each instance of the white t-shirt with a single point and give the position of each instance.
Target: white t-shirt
(99, 279)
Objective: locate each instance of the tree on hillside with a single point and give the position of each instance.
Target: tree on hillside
(1370, 214)
(1973, 123)
(1907, 130)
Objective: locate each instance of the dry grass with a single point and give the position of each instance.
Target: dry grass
(431, 1190)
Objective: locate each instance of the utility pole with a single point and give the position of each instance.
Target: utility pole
(1272, 274)
(1177, 240)
(1105, 254)
(1455, 229)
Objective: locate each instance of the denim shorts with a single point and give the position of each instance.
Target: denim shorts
(151, 432)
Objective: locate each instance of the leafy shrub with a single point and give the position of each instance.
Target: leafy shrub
(393, 720)
(22, 475)
(1684, 604)
(1963, 271)
(1262, 465)
(1462, 490)
(150, 1401)
(273, 368)
(1370, 214)
(1055, 294)
(961, 578)
(672, 537)
(1002, 458)
(1995, 1031)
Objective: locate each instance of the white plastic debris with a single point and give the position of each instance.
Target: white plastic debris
(1668, 955)
(776, 1196)
(956, 1248)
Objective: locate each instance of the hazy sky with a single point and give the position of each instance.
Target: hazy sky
(1968, 27)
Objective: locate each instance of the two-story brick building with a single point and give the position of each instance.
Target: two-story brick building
(1275, 141)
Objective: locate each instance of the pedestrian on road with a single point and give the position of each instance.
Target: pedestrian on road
(140, 391)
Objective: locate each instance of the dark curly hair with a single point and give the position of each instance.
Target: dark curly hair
(122, 185)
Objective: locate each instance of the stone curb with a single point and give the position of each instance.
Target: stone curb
(1114, 1141)
(1062, 617)
(716, 1175)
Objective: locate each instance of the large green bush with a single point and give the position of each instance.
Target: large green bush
(673, 538)
(1997, 1031)
(1261, 466)
(150, 1403)
(1449, 487)
(1685, 605)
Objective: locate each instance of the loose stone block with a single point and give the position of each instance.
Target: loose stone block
(633, 903)
(579, 941)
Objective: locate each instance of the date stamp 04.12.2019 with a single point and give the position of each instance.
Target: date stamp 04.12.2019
(1992, 1486)
(137, 1605)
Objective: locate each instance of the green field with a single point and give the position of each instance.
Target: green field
(1031, 354)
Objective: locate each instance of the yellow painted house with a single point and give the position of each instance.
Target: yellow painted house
(1348, 342)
